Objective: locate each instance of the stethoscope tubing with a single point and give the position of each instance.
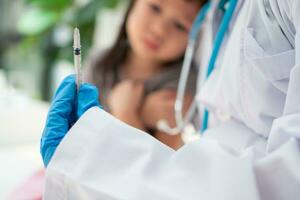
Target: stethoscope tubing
(181, 121)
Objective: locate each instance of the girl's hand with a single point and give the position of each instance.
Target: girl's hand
(160, 105)
(124, 102)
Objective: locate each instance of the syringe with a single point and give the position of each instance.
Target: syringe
(77, 57)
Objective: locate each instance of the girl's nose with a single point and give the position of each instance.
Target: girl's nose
(160, 28)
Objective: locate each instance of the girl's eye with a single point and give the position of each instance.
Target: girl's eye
(155, 8)
(179, 26)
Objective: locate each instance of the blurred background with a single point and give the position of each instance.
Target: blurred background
(35, 55)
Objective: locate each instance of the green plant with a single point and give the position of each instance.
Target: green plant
(42, 20)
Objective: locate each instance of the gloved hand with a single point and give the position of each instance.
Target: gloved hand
(66, 107)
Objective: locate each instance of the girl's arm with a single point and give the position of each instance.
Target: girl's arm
(130, 118)
(173, 141)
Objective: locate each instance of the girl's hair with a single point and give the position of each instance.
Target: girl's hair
(108, 65)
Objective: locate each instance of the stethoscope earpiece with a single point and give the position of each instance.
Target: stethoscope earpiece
(163, 125)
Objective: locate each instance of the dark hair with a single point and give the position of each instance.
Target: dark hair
(109, 64)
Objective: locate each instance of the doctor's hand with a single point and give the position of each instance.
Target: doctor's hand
(66, 107)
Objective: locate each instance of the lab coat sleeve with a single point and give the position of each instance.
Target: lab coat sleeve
(103, 158)
(110, 160)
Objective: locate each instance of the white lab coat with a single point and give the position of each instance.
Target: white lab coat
(253, 155)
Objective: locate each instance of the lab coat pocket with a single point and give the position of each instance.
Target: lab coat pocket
(273, 67)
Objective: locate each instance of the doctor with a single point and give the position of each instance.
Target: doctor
(252, 153)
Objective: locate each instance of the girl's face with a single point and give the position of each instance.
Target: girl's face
(158, 29)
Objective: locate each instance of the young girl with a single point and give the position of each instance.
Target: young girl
(138, 76)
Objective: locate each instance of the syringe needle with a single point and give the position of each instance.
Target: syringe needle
(77, 57)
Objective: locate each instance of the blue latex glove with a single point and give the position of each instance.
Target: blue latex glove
(66, 107)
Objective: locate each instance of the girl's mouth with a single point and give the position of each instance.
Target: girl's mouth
(151, 45)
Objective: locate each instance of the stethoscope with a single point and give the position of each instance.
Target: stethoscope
(228, 6)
